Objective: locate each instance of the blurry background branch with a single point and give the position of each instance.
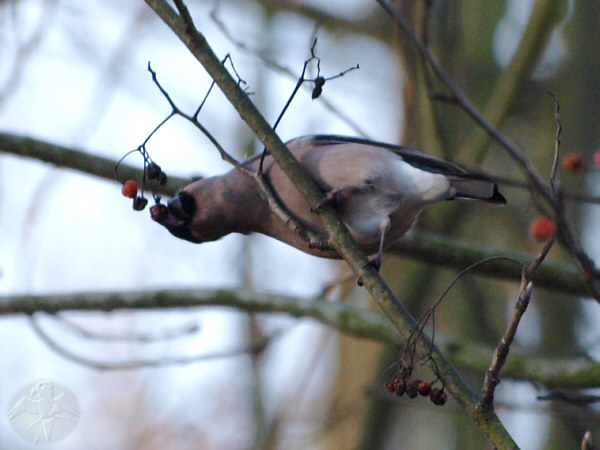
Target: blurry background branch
(428, 247)
(568, 373)
(79, 160)
(550, 191)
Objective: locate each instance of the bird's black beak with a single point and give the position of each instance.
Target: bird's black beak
(177, 215)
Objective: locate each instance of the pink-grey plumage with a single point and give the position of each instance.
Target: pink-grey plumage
(378, 189)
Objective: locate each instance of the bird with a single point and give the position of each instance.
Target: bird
(377, 189)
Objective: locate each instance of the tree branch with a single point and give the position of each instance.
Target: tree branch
(445, 251)
(79, 160)
(423, 246)
(565, 373)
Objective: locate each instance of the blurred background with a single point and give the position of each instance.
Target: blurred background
(75, 74)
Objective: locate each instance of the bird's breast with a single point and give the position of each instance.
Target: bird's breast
(363, 214)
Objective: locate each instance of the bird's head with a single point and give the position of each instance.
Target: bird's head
(177, 216)
(197, 213)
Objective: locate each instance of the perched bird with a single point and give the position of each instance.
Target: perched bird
(378, 190)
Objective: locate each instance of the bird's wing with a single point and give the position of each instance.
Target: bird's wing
(412, 156)
(366, 158)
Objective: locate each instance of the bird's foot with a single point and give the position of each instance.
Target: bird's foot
(330, 197)
(375, 263)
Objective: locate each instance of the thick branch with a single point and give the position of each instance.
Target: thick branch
(79, 160)
(450, 252)
(339, 236)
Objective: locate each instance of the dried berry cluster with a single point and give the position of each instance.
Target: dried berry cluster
(318, 89)
(404, 383)
(130, 189)
(152, 171)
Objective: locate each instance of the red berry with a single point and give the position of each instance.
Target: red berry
(130, 188)
(542, 228)
(573, 162)
(597, 158)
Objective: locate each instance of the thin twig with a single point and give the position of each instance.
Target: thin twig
(486, 403)
(138, 363)
(430, 313)
(275, 66)
(161, 335)
(553, 183)
(301, 80)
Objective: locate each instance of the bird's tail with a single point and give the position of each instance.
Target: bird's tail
(476, 188)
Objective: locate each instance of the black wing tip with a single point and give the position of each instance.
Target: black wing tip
(414, 157)
(497, 198)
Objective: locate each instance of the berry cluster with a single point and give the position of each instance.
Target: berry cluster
(130, 190)
(575, 162)
(404, 384)
(318, 89)
(152, 171)
(543, 228)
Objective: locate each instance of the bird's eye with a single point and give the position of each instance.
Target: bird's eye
(188, 203)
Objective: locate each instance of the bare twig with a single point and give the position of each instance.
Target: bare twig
(501, 353)
(319, 81)
(25, 49)
(429, 315)
(275, 66)
(135, 364)
(553, 182)
(486, 403)
(194, 120)
(160, 335)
